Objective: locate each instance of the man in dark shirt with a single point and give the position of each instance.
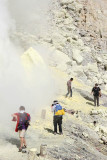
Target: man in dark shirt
(96, 91)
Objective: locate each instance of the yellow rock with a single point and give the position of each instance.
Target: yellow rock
(31, 58)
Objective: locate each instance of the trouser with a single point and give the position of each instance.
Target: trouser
(96, 99)
(58, 121)
(69, 92)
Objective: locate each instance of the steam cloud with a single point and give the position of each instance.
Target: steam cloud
(33, 90)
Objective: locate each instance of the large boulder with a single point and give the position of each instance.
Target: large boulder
(91, 67)
(77, 56)
(58, 40)
(59, 59)
(99, 59)
(76, 71)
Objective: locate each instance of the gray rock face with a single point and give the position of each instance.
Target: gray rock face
(81, 40)
(82, 143)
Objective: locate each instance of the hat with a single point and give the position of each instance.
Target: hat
(55, 102)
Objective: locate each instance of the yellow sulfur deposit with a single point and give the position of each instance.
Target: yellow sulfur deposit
(31, 58)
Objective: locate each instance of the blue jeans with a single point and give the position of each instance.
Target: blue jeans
(69, 92)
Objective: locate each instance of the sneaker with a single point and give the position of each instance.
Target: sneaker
(55, 133)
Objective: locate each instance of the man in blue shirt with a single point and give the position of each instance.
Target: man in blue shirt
(57, 119)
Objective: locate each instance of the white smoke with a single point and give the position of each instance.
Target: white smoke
(30, 15)
(32, 90)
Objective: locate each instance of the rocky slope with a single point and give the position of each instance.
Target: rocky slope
(77, 46)
(78, 31)
(84, 133)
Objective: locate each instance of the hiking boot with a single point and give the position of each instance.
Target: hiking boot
(20, 150)
(25, 146)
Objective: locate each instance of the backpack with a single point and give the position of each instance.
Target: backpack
(58, 110)
(23, 121)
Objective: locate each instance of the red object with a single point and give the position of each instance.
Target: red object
(17, 114)
(14, 119)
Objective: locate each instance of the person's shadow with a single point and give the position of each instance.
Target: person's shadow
(13, 141)
(49, 130)
(91, 104)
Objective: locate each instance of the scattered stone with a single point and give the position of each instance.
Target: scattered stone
(43, 150)
(32, 154)
(97, 129)
(82, 33)
(103, 130)
(94, 112)
(85, 135)
(91, 69)
(104, 139)
(77, 157)
(99, 59)
(100, 141)
(75, 37)
(77, 56)
(87, 39)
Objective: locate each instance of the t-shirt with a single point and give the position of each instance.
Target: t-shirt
(95, 91)
(69, 84)
(53, 109)
(18, 119)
